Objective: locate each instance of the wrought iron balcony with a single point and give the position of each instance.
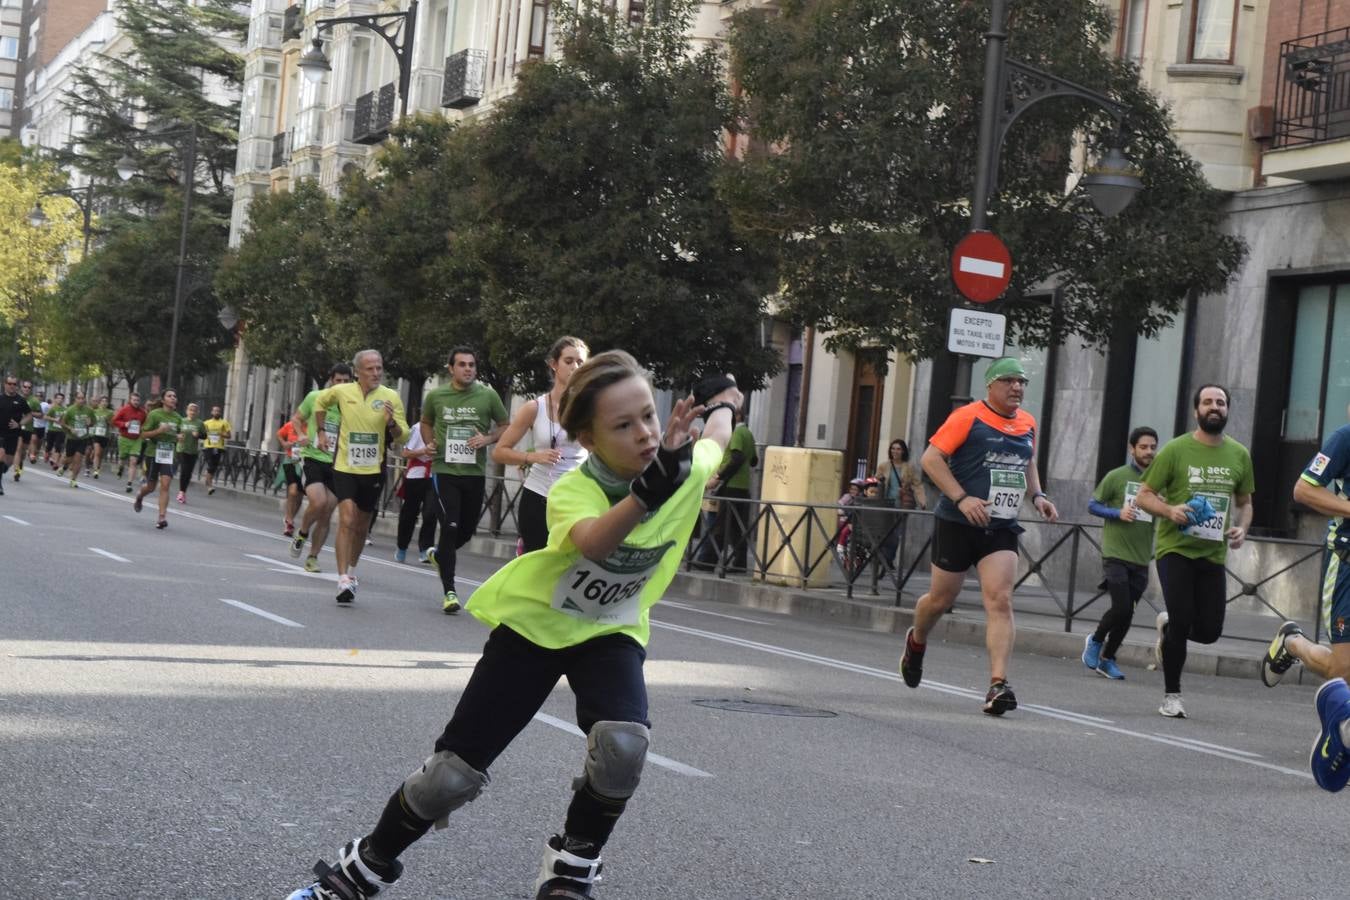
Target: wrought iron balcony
(293, 24)
(1312, 98)
(465, 74)
(374, 115)
(281, 150)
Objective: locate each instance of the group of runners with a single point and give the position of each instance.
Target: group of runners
(617, 500)
(74, 437)
(1181, 507)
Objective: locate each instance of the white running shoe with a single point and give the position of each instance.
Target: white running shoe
(1160, 623)
(1171, 707)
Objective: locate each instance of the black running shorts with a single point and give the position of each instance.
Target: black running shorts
(364, 490)
(319, 472)
(76, 445)
(957, 546)
(155, 470)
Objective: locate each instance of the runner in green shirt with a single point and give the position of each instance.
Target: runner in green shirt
(317, 466)
(618, 526)
(459, 421)
(1199, 488)
(1127, 547)
(161, 436)
(56, 435)
(189, 438)
(77, 420)
(100, 432)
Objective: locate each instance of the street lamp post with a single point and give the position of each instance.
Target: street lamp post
(397, 29)
(84, 199)
(1010, 89)
(126, 168)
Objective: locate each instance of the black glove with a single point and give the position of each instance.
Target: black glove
(663, 476)
(710, 387)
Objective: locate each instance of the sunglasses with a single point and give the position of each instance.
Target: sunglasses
(11, 384)
(1011, 380)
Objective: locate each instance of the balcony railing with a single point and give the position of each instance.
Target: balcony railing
(1312, 96)
(374, 115)
(462, 86)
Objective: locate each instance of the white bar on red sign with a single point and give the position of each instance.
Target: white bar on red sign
(976, 266)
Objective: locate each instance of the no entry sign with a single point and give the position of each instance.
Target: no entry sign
(981, 266)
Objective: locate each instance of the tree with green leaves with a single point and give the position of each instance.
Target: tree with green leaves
(292, 267)
(32, 257)
(597, 213)
(416, 290)
(184, 70)
(115, 310)
(872, 110)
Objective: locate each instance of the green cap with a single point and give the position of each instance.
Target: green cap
(1007, 367)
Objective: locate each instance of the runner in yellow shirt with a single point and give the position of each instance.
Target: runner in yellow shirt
(218, 433)
(618, 527)
(372, 416)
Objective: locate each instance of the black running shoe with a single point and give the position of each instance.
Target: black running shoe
(1000, 699)
(1277, 659)
(911, 662)
(162, 524)
(136, 504)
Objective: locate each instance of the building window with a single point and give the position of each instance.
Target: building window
(1212, 24)
(1319, 367)
(538, 29)
(1157, 379)
(1305, 387)
(9, 48)
(6, 98)
(1132, 16)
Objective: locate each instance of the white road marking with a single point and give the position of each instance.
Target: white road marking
(1047, 711)
(663, 761)
(110, 555)
(287, 568)
(977, 266)
(17, 521)
(694, 609)
(1211, 746)
(262, 612)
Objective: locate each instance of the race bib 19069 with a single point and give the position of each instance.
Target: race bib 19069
(1132, 501)
(363, 449)
(457, 449)
(609, 592)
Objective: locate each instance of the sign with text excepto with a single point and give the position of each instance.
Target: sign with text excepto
(975, 332)
(981, 266)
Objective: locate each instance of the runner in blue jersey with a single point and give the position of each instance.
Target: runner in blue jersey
(981, 461)
(1323, 487)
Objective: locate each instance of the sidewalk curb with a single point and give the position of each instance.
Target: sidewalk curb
(961, 626)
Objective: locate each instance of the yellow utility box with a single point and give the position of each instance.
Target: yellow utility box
(799, 475)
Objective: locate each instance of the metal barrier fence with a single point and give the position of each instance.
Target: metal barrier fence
(868, 545)
(872, 548)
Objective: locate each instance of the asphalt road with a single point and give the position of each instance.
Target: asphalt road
(188, 714)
